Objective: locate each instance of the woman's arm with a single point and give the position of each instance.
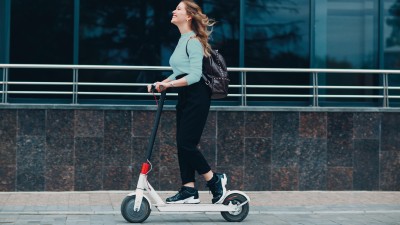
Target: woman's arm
(167, 83)
(196, 53)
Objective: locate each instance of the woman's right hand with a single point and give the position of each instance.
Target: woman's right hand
(159, 86)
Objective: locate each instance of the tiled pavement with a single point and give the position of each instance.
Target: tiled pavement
(103, 207)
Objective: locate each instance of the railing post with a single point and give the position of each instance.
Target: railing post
(243, 89)
(315, 89)
(75, 87)
(2, 86)
(5, 86)
(385, 90)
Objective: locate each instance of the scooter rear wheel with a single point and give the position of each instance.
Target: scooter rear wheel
(130, 215)
(241, 213)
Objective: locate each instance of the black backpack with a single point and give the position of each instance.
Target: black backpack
(215, 74)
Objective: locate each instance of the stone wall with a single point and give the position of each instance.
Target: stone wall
(94, 149)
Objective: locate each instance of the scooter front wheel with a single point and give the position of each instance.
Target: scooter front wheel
(241, 213)
(132, 216)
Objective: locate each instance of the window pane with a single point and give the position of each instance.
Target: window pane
(277, 33)
(346, 37)
(346, 34)
(125, 32)
(391, 34)
(277, 36)
(41, 33)
(225, 38)
(4, 30)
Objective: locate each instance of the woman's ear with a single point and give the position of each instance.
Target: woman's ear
(188, 18)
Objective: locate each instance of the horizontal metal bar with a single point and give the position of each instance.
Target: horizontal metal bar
(232, 69)
(271, 95)
(112, 84)
(350, 96)
(38, 83)
(248, 86)
(350, 87)
(304, 70)
(40, 92)
(175, 94)
(308, 96)
(119, 93)
(85, 93)
(81, 67)
(278, 86)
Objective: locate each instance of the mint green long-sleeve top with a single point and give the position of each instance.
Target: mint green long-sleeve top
(182, 64)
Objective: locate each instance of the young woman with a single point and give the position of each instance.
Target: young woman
(193, 102)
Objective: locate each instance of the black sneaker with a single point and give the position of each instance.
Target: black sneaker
(185, 195)
(218, 188)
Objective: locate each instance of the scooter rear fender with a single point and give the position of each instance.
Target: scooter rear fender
(237, 192)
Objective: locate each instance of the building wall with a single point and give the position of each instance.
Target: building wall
(93, 149)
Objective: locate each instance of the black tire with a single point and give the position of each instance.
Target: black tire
(239, 215)
(130, 215)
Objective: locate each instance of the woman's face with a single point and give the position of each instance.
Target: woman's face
(179, 15)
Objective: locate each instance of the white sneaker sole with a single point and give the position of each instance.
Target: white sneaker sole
(224, 181)
(190, 200)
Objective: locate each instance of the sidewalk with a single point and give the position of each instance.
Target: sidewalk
(15, 206)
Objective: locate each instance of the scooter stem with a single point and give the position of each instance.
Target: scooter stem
(155, 126)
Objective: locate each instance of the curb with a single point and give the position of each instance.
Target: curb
(163, 213)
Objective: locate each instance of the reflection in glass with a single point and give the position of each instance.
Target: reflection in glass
(4, 30)
(391, 33)
(346, 34)
(124, 32)
(41, 33)
(277, 36)
(225, 37)
(346, 37)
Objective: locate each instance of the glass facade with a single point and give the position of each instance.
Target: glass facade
(345, 34)
(277, 35)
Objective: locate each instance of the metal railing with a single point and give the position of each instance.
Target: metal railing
(315, 92)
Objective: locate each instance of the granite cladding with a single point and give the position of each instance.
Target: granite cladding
(82, 150)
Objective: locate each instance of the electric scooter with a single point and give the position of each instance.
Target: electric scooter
(136, 206)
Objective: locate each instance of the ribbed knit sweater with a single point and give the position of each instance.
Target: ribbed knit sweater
(191, 65)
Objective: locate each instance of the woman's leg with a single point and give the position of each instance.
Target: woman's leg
(192, 115)
(207, 176)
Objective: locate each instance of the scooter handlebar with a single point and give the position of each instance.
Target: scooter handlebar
(153, 88)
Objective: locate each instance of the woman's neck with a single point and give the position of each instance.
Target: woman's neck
(184, 29)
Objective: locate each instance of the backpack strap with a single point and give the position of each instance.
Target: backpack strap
(187, 45)
(204, 77)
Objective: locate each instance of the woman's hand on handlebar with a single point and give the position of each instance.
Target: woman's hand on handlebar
(159, 86)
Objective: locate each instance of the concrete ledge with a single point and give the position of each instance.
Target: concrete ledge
(213, 108)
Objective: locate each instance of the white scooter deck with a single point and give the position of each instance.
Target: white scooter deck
(195, 208)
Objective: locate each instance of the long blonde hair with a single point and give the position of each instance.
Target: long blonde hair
(200, 24)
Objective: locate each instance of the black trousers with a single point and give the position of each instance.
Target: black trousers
(191, 116)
